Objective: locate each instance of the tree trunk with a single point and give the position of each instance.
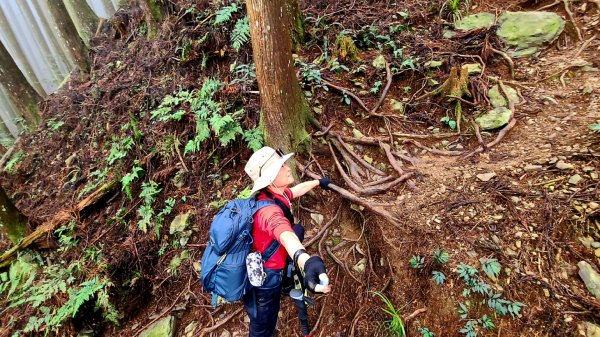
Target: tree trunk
(84, 18)
(152, 15)
(21, 92)
(68, 32)
(296, 24)
(12, 221)
(15, 47)
(284, 110)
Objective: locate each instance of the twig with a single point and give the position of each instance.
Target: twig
(161, 315)
(549, 6)
(570, 14)
(354, 320)
(379, 181)
(412, 160)
(221, 322)
(320, 316)
(349, 93)
(180, 158)
(507, 58)
(585, 45)
(478, 134)
(434, 136)
(411, 184)
(414, 314)
(385, 91)
(316, 237)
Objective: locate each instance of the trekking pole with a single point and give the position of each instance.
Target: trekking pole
(299, 295)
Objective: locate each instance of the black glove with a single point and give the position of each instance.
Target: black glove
(313, 267)
(324, 183)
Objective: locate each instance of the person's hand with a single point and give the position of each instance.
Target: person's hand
(315, 275)
(324, 183)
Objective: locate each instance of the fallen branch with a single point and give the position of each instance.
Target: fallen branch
(353, 198)
(316, 237)
(221, 322)
(61, 218)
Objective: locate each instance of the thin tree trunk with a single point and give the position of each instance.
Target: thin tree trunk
(16, 85)
(12, 44)
(284, 110)
(152, 15)
(11, 220)
(68, 32)
(84, 18)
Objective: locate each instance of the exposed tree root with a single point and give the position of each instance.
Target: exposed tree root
(508, 60)
(355, 199)
(435, 151)
(411, 184)
(572, 19)
(385, 91)
(221, 322)
(316, 237)
(349, 93)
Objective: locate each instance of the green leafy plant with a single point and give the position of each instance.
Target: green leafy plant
(438, 277)
(337, 67)
(119, 149)
(310, 75)
(448, 121)
(165, 113)
(491, 267)
(463, 310)
(96, 178)
(469, 329)
(454, 8)
(224, 14)
(66, 236)
(395, 324)
(253, 138)
(160, 217)
(417, 262)
(54, 124)
(240, 34)
(10, 165)
(243, 73)
(146, 211)
(595, 127)
(441, 256)
(504, 307)
(376, 87)
(487, 322)
(345, 98)
(425, 332)
(128, 179)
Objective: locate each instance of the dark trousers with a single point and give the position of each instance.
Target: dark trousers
(262, 303)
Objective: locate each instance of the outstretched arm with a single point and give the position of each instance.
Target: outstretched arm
(302, 188)
(290, 241)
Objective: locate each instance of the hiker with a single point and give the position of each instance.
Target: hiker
(272, 179)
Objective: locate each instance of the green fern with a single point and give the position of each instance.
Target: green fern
(224, 14)
(129, 178)
(240, 34)
(11, 163)
(146, 211)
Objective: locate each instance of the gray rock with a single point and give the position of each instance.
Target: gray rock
(575, 179)
(360, 266)
(590, 277)
(588, 329)
(162, 328)
(497, 97)
(494, 119)
(532, 168)
(189, 329)
(475, 21)
(486, 176)
(472, 68)
(397, 106)
(561, 165)
(433, 64)
(525, 32)
(225, 333)
(317, 218)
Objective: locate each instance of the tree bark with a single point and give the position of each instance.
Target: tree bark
(296, 24)
(18, 53)
(68, 32)
(21, 92)
(152, 15)
(84, 18)
(284, 110)
(11, 220)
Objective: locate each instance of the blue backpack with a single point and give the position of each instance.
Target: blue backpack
(224, 273)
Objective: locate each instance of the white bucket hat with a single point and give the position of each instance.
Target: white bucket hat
(264, 165)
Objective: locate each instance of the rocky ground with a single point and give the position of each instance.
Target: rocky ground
(519, 221)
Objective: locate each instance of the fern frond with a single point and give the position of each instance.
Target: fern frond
(240, 34)
(224, 14)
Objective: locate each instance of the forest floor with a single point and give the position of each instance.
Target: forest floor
(528, 203)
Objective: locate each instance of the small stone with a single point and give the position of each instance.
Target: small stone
(162, 328)
(225, 333)
(431, 82)
(561, 165)
(532, 168)
(588, 329)
(597, 252)
(494, 119)
(397, 106)
(575, 179)
(518, 244)
(350, 122)
(360, 266)
(433, 64)
(511, 252)
(595, 244)
(357, 134)
(368, 159)
(486, 176)
(472, 68)
(190, 328)
(587, 169)
(593, 205)
(379, 62)
(459, 147)
(586, 241)
(590, 277)
(587, 88)
(317, 218)
(594, 175)
(318, 110)
(546, 292)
